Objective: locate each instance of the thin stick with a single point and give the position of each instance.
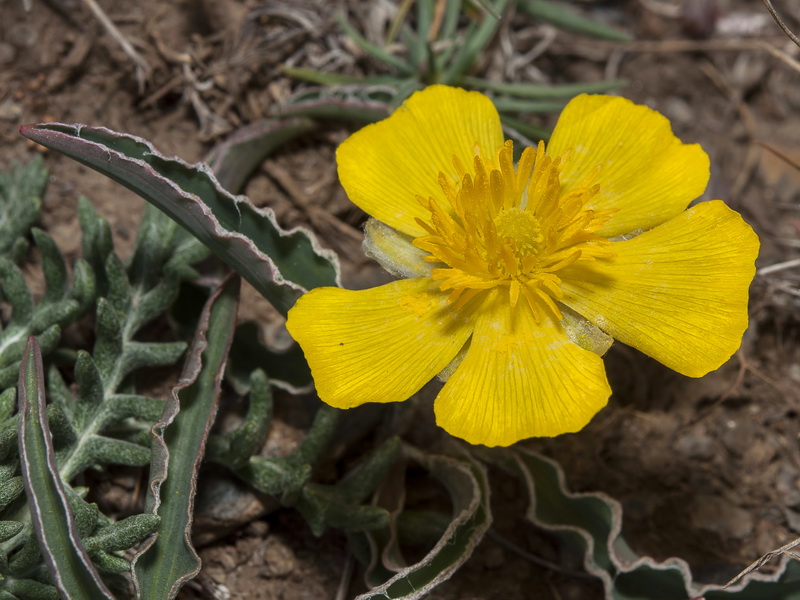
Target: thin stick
(781, 24)
(142, 68)
(786, 550)
(781, 266)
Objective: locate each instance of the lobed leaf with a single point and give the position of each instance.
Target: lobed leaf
(21, 193)
(340, 505)
(234, 448)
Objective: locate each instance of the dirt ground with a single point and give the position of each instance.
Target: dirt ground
(707, 470)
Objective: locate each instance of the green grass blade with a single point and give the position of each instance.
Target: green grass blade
(473, 46)
(541, 91)
(70, 566)
(379, 53)
(169, 560)
(280, 264)
(561, 15)
(528, 107)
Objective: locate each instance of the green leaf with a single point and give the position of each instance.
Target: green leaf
(286, 369)
(371, 49)
(234, 448)
(53, 266)
(340, 505)
(527, 107)
(562, 15)
(27, 589)
(467, 484)
(280, 264)
(21, 193)
(123, 534)
(234, 160)
(592, 524)
(286, 476)
(8, 529)
(169, 560)
(474, 44)
(543, 91)
(346, 105)
(100, 450)
(10, 489)
(72, 571)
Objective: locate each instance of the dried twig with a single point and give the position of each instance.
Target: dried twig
(785, 550)
(780, 54)
(789, 264)
(781, 24)
(142, 67)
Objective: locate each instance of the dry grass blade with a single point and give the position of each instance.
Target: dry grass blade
(786, 550)
(781, 24)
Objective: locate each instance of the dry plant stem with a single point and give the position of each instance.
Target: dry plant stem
(712, 45)
(781, 24)
(671, 11)
(347, 576)
(789, 264)
(142, 67)
(785, 550)
(780, 54)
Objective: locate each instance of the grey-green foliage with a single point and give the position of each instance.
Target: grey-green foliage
(20, 203)
(21, 191)
(105, 421)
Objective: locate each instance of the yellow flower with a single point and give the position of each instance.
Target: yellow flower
(517, 274)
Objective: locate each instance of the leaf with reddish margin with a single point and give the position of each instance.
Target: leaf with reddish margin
(592, 523)
(467, 484)
(73, 572)
(234, 159)
(169, 560)
(280, 264)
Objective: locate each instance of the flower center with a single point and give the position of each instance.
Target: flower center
(511, 227)
(521, 229)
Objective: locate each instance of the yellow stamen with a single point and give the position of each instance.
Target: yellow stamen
(501, 226)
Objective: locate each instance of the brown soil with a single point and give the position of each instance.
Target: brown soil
(706, 469)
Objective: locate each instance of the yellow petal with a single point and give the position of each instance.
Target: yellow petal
(377, 345)
(384, 166)
(646, 173)
(520, 379)
(678, 292)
